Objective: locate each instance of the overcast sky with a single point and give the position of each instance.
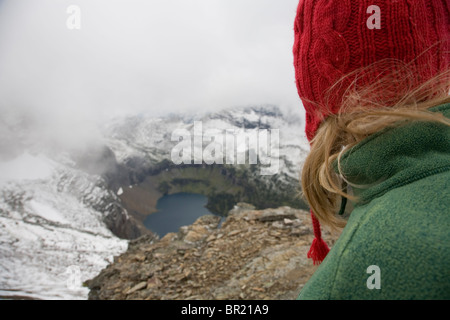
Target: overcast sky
(145, 56)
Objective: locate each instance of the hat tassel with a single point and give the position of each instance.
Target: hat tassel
(319, 249)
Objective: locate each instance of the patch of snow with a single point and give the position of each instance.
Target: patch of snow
(46, 212)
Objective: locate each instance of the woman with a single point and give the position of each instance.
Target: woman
(374, 78)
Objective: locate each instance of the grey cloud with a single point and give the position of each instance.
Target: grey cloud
(152, 56)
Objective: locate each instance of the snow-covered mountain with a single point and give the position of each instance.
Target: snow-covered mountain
(61, 217)
(51, 237)
(148, 140)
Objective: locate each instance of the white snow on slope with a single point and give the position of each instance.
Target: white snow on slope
(50, 241)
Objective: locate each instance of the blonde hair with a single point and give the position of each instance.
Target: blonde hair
(362, 113)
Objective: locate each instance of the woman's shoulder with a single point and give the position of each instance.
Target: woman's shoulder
(399, 244)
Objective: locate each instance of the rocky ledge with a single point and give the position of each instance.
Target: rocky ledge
(253, 254)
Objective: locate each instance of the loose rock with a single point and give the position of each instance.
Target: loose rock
(255, 254)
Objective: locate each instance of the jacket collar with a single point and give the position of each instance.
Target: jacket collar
(397, 156)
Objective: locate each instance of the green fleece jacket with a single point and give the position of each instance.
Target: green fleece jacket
(396, 244)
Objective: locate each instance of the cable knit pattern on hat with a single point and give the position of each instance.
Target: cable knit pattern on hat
(332, 40)
(330, 51)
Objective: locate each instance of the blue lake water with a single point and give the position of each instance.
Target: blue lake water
(175, 211)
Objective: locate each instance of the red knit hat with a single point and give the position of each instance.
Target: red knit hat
(335, 38)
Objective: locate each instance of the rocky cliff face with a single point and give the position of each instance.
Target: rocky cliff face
(253, 254)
